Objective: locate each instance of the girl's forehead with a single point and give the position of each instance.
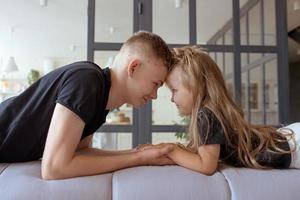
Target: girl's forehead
(173, 79)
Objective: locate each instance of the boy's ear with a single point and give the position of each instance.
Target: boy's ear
(133, 65)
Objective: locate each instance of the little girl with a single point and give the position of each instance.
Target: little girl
(218, 130)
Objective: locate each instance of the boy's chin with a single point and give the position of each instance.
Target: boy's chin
(138, 104)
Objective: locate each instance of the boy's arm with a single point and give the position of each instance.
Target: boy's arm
(85, 147)
(205, 161)
(60, 160)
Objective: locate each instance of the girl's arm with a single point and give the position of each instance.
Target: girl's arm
(205, 161)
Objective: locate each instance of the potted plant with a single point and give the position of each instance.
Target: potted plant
(33, 76)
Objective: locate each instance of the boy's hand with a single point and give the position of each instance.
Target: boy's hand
(156, 155)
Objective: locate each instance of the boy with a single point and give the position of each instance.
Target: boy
(55, 118)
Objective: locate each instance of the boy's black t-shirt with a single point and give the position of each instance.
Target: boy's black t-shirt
(211, 132)
(82, 87)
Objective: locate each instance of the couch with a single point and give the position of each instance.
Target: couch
(23, 181)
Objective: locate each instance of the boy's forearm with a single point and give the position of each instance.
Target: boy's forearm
(101, 152)
(91, 163)
(85, 165)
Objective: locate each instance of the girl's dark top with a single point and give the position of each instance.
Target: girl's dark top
(211, 132)
(82, 87)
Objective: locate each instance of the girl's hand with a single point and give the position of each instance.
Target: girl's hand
(142, 147)
(156, 155)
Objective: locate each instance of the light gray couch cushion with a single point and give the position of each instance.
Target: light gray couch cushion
(23, 181)
(168, 182)
(249, 184)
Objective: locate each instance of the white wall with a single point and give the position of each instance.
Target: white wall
(42, 32)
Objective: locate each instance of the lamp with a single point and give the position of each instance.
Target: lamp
(10, 65)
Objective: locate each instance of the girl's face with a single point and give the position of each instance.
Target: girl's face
(181, 96)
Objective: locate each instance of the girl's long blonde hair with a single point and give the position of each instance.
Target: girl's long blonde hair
(202, 76)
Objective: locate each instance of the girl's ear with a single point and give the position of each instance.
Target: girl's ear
(132, 67)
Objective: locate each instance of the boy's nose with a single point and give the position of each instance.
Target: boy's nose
(154, 94)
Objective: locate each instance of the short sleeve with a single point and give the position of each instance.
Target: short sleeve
(209, 128)
(80, 92)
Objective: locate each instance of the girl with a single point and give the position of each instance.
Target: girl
(218, 130)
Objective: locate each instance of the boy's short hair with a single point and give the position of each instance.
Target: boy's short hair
(155, 43)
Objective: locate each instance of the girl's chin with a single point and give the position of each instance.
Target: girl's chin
(183, 112)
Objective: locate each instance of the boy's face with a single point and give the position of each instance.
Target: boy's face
(181, 96)
(145, 80)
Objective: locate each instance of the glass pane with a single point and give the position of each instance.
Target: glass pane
(229, 85)
(220, 60)
(255, 98)
(164, 15)
(228, 37)
(250, 59)
(220, 40)
(228, 64)
(122, 115)
(271, 92)
(254, 57)
(224, 62)
(255, 34)
(245, 97)
(113, 20)
(243, 27)
(168, 138)
(257, 87)
(243, 2)
(269, 22)
(213, 55)
(211, 26)
(244, 59)
(112, 141)
(254, 13)
(163, 110)
(104, 58)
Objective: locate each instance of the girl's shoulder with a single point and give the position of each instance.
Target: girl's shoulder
(207, 117)
(207, 113)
